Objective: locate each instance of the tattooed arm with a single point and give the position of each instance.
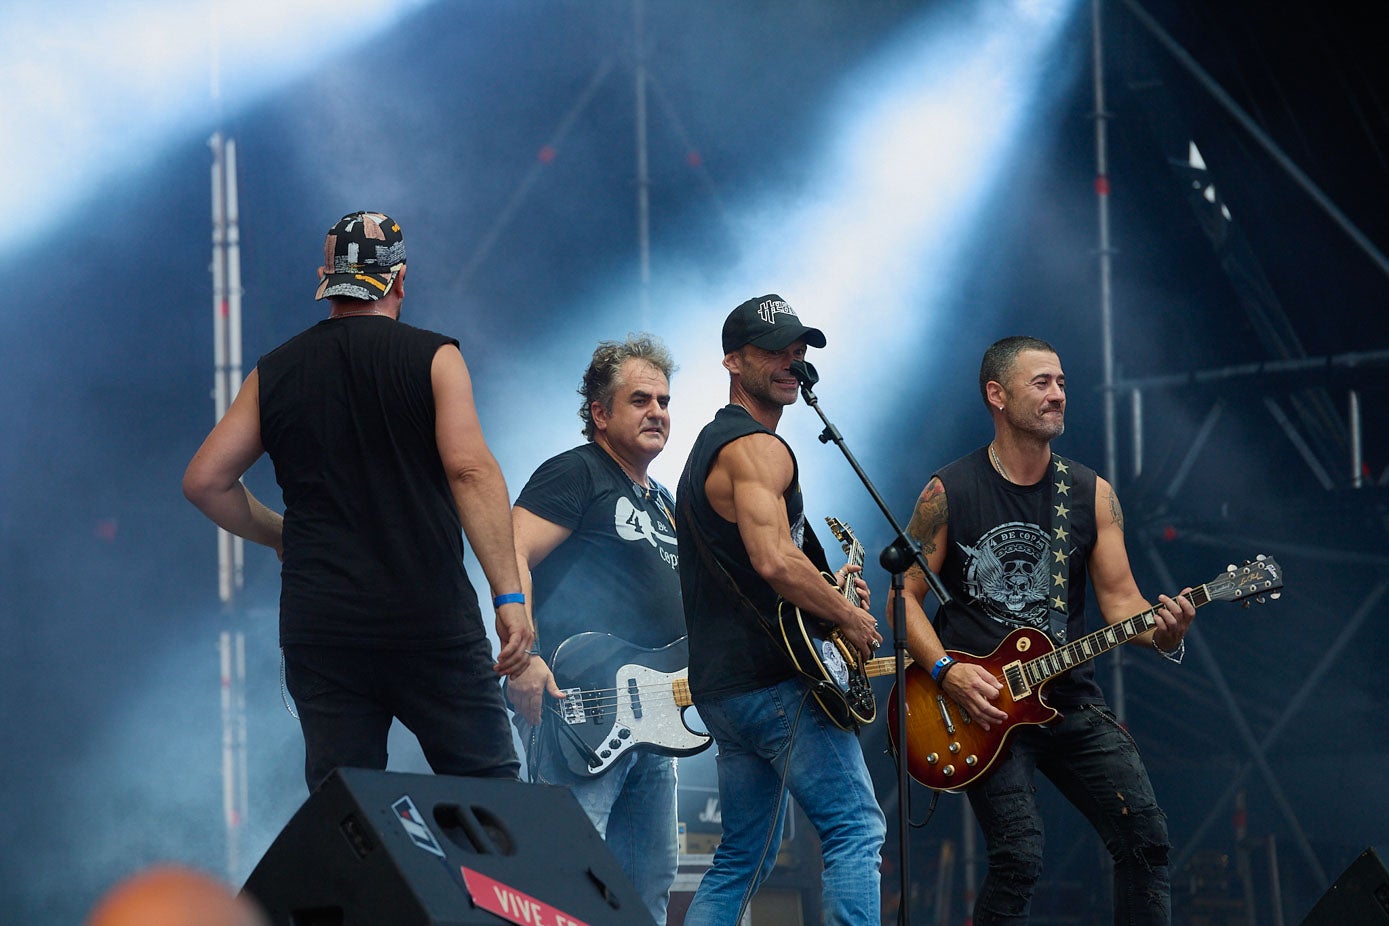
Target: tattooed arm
(969, 685)
(1116, 513)
(1116, 591)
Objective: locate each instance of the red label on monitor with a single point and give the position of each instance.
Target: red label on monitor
(512, 905)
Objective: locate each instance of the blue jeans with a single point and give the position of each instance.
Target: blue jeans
(1094, 762)
(632, 805)
(773, 744)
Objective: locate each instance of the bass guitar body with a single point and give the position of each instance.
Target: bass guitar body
(619, 697)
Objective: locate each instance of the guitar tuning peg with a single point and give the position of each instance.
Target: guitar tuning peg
(1260, 557)
(1230, 568)
(1275, 596)
(1246, 603)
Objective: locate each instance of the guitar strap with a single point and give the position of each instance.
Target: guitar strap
(717, 567)
(1060, 536)
(810, 545)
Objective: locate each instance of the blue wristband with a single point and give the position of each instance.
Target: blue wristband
(939, 668)
(509, 598)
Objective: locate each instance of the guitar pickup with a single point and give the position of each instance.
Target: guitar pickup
(634, 696)
(1013, 674)
(571, 709)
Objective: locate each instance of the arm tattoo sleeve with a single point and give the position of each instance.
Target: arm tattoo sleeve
(1114, 510)
(929, 516)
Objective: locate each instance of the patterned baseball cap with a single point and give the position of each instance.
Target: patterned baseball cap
(769, 322)
(361, 257)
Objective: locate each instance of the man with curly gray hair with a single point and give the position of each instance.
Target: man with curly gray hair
(596, 549)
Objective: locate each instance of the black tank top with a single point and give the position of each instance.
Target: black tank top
(998, 560)
(372, 539)
(728, 606)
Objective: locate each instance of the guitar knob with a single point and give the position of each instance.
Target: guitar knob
(933, 758)
(954, 748)
(624, 733)
(948, 771)
(615, 743)
(971, 761)
(605, 753)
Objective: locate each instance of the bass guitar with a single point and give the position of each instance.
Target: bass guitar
(618, 697)
(948, 752)
(818, 650)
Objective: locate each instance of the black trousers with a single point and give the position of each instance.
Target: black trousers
(449, 698)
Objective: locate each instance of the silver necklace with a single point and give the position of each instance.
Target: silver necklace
(998, 464)
(644, 492)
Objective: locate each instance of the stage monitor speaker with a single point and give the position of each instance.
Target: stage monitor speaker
(371, 848)
(1360, 896)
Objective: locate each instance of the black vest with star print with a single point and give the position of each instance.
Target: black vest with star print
(1016, 557)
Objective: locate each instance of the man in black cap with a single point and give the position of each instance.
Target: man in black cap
(743, 545)
(377, 447)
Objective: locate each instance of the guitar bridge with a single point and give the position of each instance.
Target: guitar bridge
(945, 717)
(571, 709)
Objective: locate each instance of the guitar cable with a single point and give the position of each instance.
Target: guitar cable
(577, 741)
(781, 792)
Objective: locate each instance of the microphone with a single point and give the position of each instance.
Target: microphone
(804, 372)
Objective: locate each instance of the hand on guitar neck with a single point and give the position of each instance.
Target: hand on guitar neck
(862, 632)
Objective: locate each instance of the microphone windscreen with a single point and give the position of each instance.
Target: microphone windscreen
(804, 372)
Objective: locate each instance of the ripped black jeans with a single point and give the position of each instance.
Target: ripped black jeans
(1094, 762)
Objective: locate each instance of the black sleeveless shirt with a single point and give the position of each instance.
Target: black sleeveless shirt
(998, 562)
(372, 539)
(729, 608)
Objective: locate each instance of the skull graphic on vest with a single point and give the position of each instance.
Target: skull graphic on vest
(1005, 573)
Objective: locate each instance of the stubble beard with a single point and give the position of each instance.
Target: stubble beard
(761, 389)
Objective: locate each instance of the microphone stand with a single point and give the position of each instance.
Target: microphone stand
(896, 558)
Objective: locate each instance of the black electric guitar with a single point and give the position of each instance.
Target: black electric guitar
(618, 697)
(838, 676)
(947, 752)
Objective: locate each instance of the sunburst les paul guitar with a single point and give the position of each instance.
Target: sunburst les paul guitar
(946, 751)
(838, 676)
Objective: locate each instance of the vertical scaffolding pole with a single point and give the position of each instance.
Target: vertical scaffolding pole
(1111, 459)
(1357, 457)
(643, 167)
(970, 843)
(226, 305)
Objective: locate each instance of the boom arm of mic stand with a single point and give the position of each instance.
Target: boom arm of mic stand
(904, 544)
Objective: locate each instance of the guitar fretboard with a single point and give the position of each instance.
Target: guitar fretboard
(855, 551)
(1063, 658)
